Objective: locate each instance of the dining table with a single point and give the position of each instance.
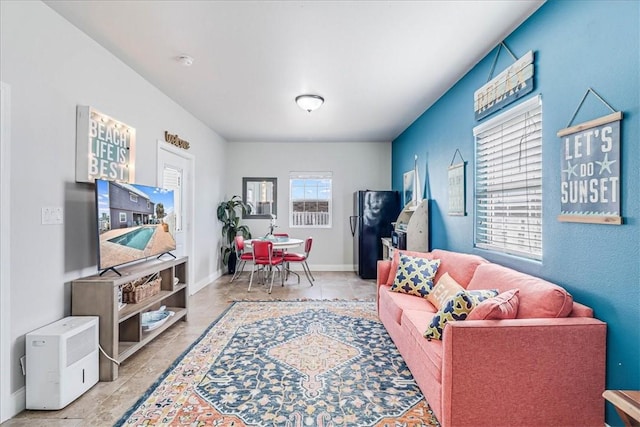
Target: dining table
(279, 244)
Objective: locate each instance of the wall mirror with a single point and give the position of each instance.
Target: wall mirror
(261, 195)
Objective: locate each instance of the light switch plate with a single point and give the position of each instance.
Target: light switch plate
(51, 215)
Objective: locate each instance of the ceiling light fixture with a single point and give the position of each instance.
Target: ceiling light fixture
(185, 60)
(309, 102)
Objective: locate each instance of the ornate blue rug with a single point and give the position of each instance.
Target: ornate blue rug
(287, 363)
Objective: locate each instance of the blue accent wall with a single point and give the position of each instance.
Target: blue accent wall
(577, 45)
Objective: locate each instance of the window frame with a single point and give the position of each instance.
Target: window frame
(513, 234)
(311, 176)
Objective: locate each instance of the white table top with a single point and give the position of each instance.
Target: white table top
(280, 243)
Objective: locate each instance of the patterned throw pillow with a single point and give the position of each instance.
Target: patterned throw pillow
(415, 275)
(456, 308)
(445, 289)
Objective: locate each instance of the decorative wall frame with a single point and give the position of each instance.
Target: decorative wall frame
(590, 169)
(457, 187)
(105, 147)
(508, 86)
(261, 195)
(408, 186)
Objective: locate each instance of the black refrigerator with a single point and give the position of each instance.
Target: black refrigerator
(373, 213)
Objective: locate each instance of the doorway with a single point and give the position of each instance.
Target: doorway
(175, 172)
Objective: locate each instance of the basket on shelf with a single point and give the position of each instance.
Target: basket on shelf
(141, 289)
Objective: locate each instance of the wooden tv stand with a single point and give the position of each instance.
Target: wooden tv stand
(121, 333)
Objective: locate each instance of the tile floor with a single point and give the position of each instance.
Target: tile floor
(106, 402)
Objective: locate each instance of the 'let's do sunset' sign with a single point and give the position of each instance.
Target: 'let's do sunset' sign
(105, 147)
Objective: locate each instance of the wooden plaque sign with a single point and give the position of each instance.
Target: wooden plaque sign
(590, 165)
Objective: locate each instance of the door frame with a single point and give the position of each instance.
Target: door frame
(188, 219)
(5, 258)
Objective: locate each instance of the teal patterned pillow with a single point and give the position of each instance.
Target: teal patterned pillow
(456, 308)
(415, 275)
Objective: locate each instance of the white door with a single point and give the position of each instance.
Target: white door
(175, 169)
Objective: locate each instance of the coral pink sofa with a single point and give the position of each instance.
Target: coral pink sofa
(546, 367)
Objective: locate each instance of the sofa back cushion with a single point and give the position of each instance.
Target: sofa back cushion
(459, 266)
(537, 297)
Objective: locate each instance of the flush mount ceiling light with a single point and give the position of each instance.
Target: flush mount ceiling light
(185, 60)
(309, 102)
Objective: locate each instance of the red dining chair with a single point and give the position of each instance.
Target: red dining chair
(263, 257)
(280, 252)
(243, 256)
(302, 259)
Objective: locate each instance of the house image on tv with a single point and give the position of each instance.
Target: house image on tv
(129, 206)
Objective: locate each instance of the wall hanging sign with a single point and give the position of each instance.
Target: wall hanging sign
(105, 147)
(457, 186)
(176, 140)
(590, 165)
(408, 186)
(508, 86)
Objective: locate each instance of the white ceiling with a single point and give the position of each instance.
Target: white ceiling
(378, 64)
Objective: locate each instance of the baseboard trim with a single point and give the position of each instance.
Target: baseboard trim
(325, 267)
(204, 282)
(17, 404)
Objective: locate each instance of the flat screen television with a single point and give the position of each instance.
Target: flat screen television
(135, 222)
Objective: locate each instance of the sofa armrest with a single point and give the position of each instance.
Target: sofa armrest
(384, 268)
(524, 372)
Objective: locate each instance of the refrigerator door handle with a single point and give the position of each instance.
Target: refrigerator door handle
(352, 222)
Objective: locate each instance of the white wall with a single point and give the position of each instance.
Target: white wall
(355, 166)
(52, 67)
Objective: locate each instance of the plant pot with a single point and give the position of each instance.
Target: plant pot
(165, 227)
(231, 265)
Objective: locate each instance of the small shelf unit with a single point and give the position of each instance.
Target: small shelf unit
(121, 333)
(414, 220)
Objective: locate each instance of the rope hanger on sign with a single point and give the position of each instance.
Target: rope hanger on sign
(589, 90)
(495, 60)
(454, 157)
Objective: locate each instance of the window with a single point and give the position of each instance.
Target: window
(508, 181)
(133, 197)
(310, 199)
(172, 180)
(123, 217)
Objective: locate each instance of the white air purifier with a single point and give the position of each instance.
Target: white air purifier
(62, 362)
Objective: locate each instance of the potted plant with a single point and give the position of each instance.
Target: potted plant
(229, 216)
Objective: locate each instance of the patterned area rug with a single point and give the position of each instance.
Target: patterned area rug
(287, 363)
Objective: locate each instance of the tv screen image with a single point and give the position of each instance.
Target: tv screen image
(134, 222)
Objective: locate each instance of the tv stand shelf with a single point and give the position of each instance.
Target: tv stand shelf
(121, 333)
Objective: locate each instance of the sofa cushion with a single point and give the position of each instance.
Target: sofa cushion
(395, 303)
(414, 321)
(456, 308)
(460, 266)
(445, 289)
(415, 275)
(537, 297)
(502, 306)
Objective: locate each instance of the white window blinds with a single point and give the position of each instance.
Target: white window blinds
(508, 181)
(172, 180)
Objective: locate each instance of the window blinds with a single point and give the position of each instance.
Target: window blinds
(508, 181)
(172, 180)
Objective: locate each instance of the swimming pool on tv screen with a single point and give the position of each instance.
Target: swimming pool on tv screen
(137, 239)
